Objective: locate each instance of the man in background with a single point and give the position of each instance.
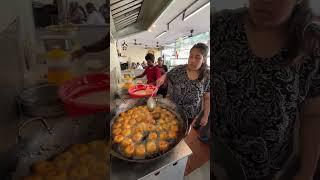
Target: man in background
(94, 17)
(76, 13)
(163, 69)
(162, 66)
(151, 71)
(104, 10)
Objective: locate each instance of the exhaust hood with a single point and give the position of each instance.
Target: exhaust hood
(129, 17)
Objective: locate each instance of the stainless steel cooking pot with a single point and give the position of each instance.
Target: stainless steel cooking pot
(50, 141)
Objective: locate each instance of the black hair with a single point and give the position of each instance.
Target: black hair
(91, 5)
(149, 57)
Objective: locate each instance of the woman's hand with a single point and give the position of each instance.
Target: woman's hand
(203, 121)
(161, 80)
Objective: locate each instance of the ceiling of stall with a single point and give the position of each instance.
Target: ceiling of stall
(125, 12)
(199, 23)
(133, 16)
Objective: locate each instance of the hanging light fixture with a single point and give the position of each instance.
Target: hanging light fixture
(124, 46)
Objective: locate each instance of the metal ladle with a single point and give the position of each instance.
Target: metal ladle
(151, 102)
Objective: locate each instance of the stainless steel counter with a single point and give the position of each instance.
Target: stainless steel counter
(121, 170)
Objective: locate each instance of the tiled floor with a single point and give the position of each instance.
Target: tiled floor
(201, 152)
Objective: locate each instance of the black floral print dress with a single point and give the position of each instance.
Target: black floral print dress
(255, 100)
(185, 93)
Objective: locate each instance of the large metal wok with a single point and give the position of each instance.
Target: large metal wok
(165, 103)
(50, 141)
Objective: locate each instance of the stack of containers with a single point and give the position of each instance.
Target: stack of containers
(59, 66)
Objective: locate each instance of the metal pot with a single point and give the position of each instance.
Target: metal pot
(165, 103)
(41, 101)
(51, 141)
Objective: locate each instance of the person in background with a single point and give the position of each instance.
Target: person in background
(189, 85)
(98, 46)
(163, 68)
(133, 65)
(94, 18)
(266, 77)
(144, 65)
(104, 10)
(84, 12)
(139, 66)
(151, 71)
(128, 63)
(77, 16)
(46, 15)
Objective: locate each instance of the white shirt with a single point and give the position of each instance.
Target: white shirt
(96, 18)
(139, 66)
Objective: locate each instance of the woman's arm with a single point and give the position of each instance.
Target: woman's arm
(206, 109)
(309, 138)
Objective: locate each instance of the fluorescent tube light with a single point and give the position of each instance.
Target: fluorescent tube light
(196, 11)
(161, 34)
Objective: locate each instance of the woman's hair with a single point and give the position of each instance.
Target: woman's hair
(204, 69)
(300, 32)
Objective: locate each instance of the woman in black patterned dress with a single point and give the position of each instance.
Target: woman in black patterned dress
(265, 76)
(189, 84)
